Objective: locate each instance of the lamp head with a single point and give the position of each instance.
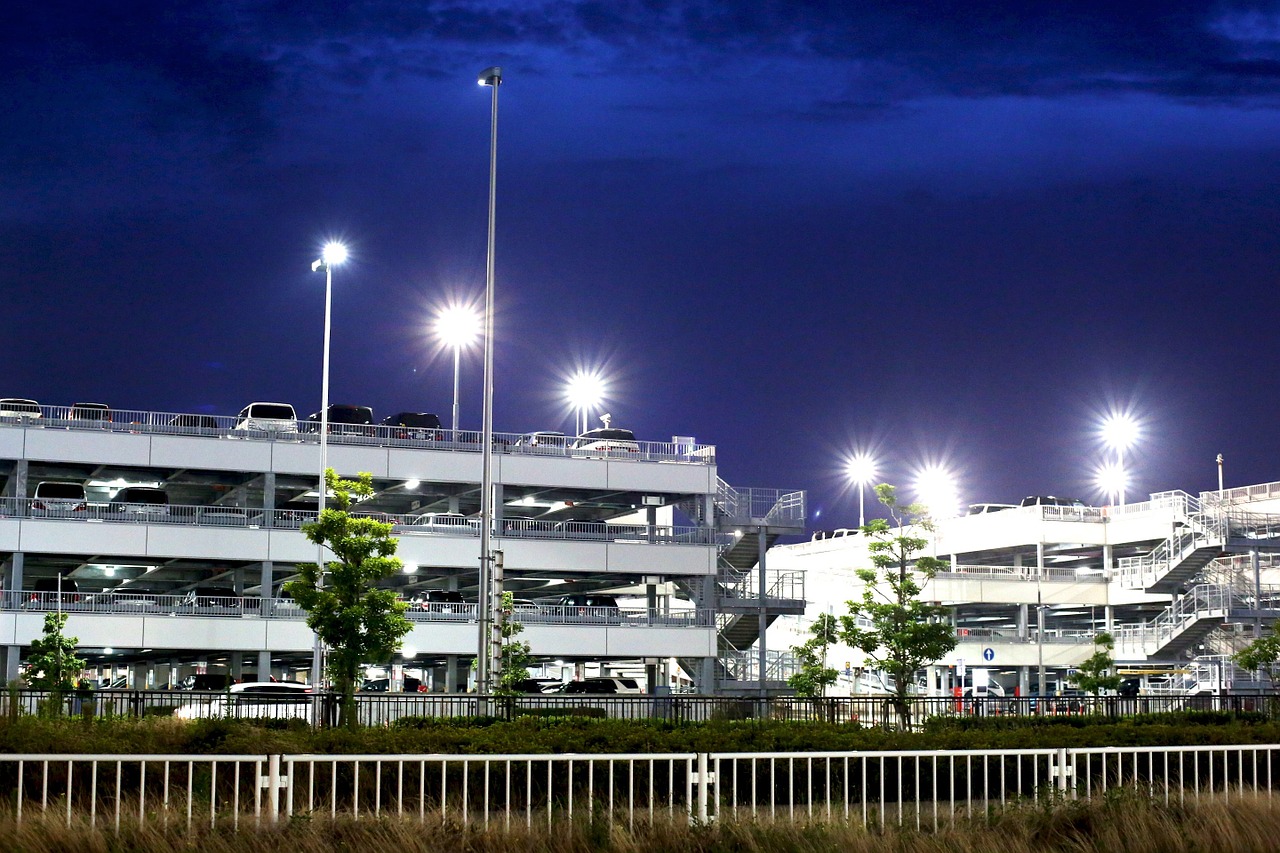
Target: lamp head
(490, 76)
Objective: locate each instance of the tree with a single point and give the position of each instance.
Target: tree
(52, 663)
(897, 631)
(1262, 655)
(357, 621)
(515, 655)
(814, 676)
(1097, 673)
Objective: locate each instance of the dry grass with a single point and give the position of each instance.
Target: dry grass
(1119, 823)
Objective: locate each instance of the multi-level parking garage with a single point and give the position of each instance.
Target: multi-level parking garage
(157, 592)
(1180, 581)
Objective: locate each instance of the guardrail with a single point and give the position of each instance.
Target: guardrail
(229, 427)
(405, 524)
(1024, 573)
(140, 603)
(921, 788)
(768, 506)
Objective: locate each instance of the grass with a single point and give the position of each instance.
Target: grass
(1119, 822)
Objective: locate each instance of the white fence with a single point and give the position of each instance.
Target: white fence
(920, 788)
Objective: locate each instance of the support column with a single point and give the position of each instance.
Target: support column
(269, 499)
(14, 580)
(236, 665)
(762, 545)
(1024, 632)
(266, 586)
(19, 479)
(264, 666)
(1024, 680)
(1108, 560)
(1109, 619)
(451, 674)
(12, 661)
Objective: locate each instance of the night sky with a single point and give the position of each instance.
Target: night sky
(952, 232)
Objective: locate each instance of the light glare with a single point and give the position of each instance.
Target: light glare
(861, 469)
(585, 390)
(1120, 431)
(936, 488)
(458, 326)
(334, 253)
(1111, 480)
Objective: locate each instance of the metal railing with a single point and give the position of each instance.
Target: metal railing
(139, 603)
(1024, 573)
(230, 427)
(1242, 494)
(1205, 601)
(768, 506)
(405, 524)
(785, 584)
(920, 788)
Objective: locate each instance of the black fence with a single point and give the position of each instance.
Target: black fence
(386, 708)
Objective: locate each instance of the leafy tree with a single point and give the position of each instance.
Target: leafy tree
(52, 663)
(1262, 655)
(515, 654)
(897, 631)
(1098, 672)
(357, 621)
(814, 676)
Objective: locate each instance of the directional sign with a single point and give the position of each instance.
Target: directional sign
(959, 667)
(988, 655)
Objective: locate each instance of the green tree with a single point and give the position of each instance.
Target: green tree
(1098, 672)
(1262, 655)
(897, 631)
(52, 663)
(359, 622)
(515, 655)
(813, 677)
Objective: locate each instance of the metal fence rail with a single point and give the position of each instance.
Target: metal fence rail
(380, 708)
(921, 788)
(230, 427)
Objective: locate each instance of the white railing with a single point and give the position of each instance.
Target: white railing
(768, 506)
(405, 524)
(1204, 601)
(926, 789)
(126, 601)
(1024, 573)
(779, 584)
(1199, 527)
(226, 427)
(745, 665)
(1244, 494)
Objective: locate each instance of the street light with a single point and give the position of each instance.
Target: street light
(936, 489)
(1111, 480)
(584, 392)
(457, 326)
(489, 645)
(332, 255)
(861, 469)
(1120, 431)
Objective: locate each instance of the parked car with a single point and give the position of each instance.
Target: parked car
(99, 413)
(55, 499)
(44, 593)
(603, 685)
(1050, 500)
(544, 441)
(987, 509)
(536, 686)
(272, 418)
(140, 500)
(343, 420)
(131, 597)
(591, 607)
(438, 601)
(1129, 688)
(194, 424)
(383, 685)
(19, 409)
(418, 426)
(220, 599)
(223, 516)
(454, 522)
(607, 442)
(254, 700)
(206, 681)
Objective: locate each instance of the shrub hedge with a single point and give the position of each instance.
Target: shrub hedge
(578, 734)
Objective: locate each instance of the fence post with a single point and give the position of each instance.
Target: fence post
(1065, 770)
(703, 788)
(273, 788)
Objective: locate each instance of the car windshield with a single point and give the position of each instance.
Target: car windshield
(348, 415)
(14, 405)
(142, 496)
(272, 411)
(411, 419)
(608, 435)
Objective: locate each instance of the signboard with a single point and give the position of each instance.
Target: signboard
(988, 655)
(959, 667)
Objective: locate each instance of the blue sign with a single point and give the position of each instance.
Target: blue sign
(988, 655)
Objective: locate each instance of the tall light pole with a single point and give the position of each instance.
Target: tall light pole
(457, 326)
(332, 255)
(861, 469)
(485, 660)
(1120, 431)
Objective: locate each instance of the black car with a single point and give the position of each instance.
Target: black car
(419, 426)
(383, 685)
(193, 424)
(343, 420)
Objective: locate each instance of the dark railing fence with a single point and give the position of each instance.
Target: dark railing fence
(386, 708)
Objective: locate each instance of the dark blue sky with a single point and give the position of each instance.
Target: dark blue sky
(954, 231)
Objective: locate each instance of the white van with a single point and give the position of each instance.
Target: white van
(274, 418)
(59, 500)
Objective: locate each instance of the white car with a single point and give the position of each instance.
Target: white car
(59, 500)
(254, 700)
(19, 409)
(274, 418)
(608, 442)
(543, 441)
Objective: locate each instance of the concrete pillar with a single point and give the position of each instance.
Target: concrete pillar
(451, 674)
(12, 659)
(1024, 632)
(264, 666)
(1108, 560)
(651, 521)
(237, 580)
(454, 504)
(237, 665)
(707, 682)
(269, 499)
(266, 587)
(1108, 619)
(19, 479)
(1024, 681)
(14, 580)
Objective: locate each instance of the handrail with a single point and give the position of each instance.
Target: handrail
(139, 422)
